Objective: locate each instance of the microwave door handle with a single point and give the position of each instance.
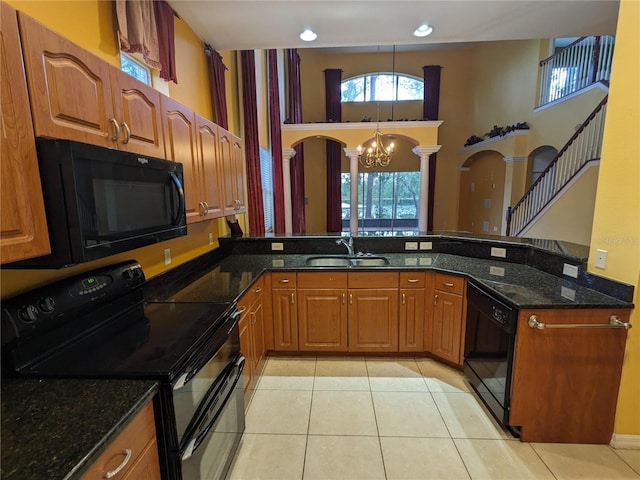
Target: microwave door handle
(178, 186)
(196, 441)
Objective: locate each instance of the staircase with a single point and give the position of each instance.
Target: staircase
(583, 148)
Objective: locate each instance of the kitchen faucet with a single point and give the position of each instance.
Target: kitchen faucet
(346, 243)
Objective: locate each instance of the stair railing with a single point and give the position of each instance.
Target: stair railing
(580, 64)
(584, 146)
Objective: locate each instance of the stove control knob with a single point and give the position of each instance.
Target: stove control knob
(47, 304)
(128, 274)
(28, 313)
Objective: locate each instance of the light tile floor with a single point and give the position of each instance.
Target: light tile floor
(357, 418)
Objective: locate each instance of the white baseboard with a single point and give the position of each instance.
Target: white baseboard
(625, 442)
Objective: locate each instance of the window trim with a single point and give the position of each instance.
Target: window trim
(396, 76)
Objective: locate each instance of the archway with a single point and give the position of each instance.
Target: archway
(539, 159)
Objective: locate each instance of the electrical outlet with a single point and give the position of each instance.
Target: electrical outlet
(498, 252)
(210, 238)
(426, 245)
(279, 246)
(167, 256)
(411, 245)
(601, 258)
(570, 270)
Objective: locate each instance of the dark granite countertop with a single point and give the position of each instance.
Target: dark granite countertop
(56, 428)
(521, 286)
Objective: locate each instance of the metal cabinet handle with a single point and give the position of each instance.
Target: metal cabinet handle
(413, 280)
(447, 284)
(344, 298)
(435, 299)
(614, 322)
(116, 129)
(242, 309)
(127, 456)
(351, 299)
(253, 318)
(206, 208)
(293, 298)
(284, 280)
(127, 133)
(404, 298)
(258, 290)
(202, 209)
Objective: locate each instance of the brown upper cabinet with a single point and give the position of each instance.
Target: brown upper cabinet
(23, 223)
(209, 187)
(77, 96)
(233, 171)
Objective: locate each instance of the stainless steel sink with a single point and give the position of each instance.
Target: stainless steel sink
(369, 262)
(340, 261)
(328, 262)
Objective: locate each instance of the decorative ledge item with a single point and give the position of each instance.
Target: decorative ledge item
(496, 131)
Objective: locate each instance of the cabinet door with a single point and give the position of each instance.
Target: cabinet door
(257, 334)
(447, 326)
(238, 175)
(411, 328)
(322, 320)
(137, 110)
(373, 320)
(23, 223)
(210, 180)
(70, 89)
(285, 319)
(180, 146)
(246, 346)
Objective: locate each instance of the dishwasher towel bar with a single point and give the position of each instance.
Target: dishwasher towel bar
(614, 322)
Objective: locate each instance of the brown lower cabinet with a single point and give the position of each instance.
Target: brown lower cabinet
(252, 335)
(133, 455)
(285, 311)
(448, 318)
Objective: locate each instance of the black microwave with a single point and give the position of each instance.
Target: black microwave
(100, 201)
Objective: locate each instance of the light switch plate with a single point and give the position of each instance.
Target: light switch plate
(279, 246)
(210, 238)
(570, 270)
(499, 252)
(601, 258)
(426, 245)
(411, 245)
(167, 256)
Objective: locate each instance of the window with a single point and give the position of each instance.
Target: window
(130, 65)
(382, 87)
(266, 174)
(386, 200)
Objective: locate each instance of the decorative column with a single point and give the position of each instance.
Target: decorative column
(287, 153)
(515, 181)
(424, 151)
(353, 155)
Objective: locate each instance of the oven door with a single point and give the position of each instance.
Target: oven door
(209, 446)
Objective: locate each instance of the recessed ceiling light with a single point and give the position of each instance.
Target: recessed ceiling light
(308, 35)
(423, 30)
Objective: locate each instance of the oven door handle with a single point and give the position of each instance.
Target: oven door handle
(201, 433)
(201, 360)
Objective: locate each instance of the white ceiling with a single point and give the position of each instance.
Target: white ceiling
(262, 24)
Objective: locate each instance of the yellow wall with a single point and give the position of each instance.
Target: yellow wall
(483, 182)
(616, 223)
(90, 24)
(571, 217)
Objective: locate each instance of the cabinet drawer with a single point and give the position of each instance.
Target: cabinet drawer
(134, 438)
(322, 280)
(412, 279)
(449, 283)
(283, 279)
(252, 293)
(373, 279)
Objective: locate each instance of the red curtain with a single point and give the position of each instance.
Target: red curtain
(276, 142)
(251, 142)
(430, 108)
(333, 107)
(217, 86)
(297, 162)
(166, 45)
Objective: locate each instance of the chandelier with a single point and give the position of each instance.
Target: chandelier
(376, 154)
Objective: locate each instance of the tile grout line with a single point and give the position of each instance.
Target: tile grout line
(627, 463)
(375, 417)
(306, 441)
(541, 459)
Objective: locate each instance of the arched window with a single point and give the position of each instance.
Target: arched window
(382, 87)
